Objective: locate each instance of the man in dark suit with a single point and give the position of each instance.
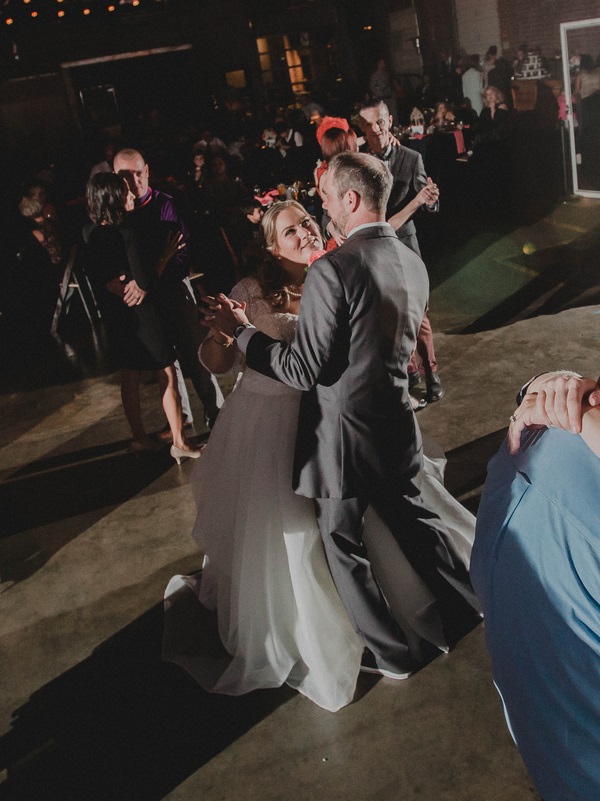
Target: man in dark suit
(410, 179)
(358, 442)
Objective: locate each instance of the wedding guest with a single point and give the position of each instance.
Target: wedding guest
(123, 288)
(156, 221)
(244, 236)
(197, 174)
(499, 74)
(443, 116)
(210, 143)
(32, 288)
(519, 60)
(489, 157)
(555, 66)
(408, 172)
(43, 222)
(472, 84)
(106, 163)
(494, 117)
(467, 116)
(382, 87)
(223, 190)
(587, 98)
(536, 569)
(334, 136)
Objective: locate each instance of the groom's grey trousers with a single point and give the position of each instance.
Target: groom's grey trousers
(423, 539)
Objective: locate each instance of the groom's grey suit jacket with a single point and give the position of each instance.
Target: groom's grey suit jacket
(361, 309)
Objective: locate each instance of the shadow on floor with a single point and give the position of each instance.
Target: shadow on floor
(90, 482)
(122, 725)
(466, 468)
(125, 726)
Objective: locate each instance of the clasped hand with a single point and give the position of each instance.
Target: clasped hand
(430, 194)
(222, 314)
(553, 400)
(129, 291)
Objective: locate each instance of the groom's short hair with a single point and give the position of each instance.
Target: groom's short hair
(366, 175)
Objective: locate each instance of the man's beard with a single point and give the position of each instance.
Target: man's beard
(340, 223)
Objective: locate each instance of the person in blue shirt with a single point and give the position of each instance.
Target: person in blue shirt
(535, 567)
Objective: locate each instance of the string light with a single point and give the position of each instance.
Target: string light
(60, 13)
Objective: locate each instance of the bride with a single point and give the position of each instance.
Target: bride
(264, 572)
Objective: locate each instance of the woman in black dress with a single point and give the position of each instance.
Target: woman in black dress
(123, 287)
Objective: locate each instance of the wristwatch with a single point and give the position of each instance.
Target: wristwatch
(241, 327)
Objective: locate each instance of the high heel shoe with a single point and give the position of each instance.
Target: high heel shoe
(179, 454)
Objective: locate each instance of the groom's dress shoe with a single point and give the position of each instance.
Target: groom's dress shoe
(435, 388)
(369, 665)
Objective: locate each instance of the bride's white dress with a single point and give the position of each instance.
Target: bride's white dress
(264, 570)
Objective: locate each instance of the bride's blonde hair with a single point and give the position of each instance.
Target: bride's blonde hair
(270, 274)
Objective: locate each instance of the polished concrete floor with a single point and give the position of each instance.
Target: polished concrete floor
(90, 535)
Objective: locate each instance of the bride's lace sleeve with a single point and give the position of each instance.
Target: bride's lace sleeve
(245, 291)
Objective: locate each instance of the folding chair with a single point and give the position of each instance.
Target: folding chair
(75, 277)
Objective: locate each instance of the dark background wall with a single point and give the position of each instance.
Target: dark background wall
(538, 23)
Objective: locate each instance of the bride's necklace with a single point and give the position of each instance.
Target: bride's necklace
(290, 291)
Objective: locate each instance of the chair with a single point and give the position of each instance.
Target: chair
(75, 277)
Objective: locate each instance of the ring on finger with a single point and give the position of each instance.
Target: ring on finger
(512, 418)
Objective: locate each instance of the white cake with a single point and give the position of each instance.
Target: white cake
(532, 68)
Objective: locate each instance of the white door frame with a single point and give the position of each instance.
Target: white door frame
(564, 28)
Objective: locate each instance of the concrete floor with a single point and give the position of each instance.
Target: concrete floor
(91, 534)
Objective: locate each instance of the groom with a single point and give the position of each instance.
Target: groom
(358, 442)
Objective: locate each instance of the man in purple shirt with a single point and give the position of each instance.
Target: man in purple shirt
(157, 222)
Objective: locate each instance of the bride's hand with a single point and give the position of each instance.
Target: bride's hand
(223, 314)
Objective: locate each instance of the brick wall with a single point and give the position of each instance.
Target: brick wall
(477, 25)
(537, 23)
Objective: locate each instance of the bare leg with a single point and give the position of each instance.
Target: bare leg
(130, 397)
(186, 409)
(171, 400)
